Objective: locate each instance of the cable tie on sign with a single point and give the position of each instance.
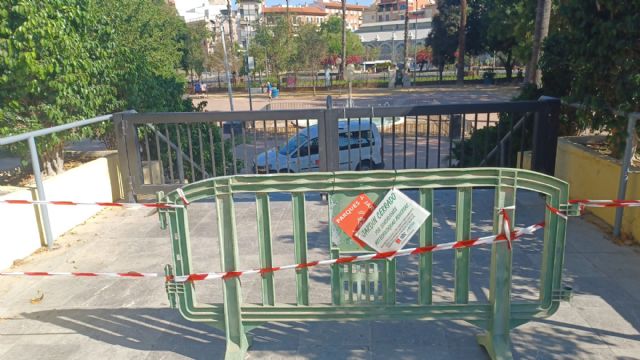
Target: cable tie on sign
(506, 227)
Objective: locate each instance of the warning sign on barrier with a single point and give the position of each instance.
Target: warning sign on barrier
(392, 223)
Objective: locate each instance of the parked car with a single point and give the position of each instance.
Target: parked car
(359, 141)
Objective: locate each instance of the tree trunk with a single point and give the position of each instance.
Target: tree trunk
(344, 39)
(405, 51)
(441, 70)
(543, 15)
(507, 63)
(461, 38)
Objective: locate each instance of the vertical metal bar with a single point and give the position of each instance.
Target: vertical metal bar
(203, 171)
(425, 262)
(244, 143)
(624, 172)
(428, 145)
(499, 143)
(510, 141)
(297, 147)
(393, 143)
(167, 135)
(360, 141)
(450, 139)
(212, 151)
(464, 124)
(233, 151)
(348, 142)
(146, 148)
(390, 288)
(415, 144)
(179, 155)
(157, 137)
(286, 137)
(193, 170)
(255, 145)
(309, 164)
(370, 139)
(222, 149)
(350, 270)
(463, 232)
(275, 145)
(300, 247)
(475, 129)
(404, 142)
(44, 211)
(522, 134)
(439, 137)
(382, 138)
(264, 243)
(486, 138)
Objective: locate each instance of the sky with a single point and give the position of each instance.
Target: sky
(302, 2)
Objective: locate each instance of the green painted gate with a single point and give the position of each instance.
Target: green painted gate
(367, 291)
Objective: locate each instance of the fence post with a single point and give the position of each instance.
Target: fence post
(328, 138)
(545, 135)
(37, 174)
(120, 128)
(624, 172)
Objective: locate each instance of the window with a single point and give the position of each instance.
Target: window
(380, 19)
(310, 148)
(386, 17)
(355, 140)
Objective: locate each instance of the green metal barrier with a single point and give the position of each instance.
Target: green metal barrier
(363, 302)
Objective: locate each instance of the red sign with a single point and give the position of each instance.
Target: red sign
(354, 215)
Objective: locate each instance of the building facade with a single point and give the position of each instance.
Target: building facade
(353, 12)
(387, 37)
(248, 15)
(394, 10)
(299, 14)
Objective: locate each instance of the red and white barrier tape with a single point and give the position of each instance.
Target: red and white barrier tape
(606, 203)
(130, 274)
(351, 259)
(103, 204)
(342, 260)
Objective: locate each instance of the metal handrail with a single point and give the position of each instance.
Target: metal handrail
(41, 132)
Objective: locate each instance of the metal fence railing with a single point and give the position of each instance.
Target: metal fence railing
(166, 150)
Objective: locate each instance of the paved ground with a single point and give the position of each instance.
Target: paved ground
(96, 318)
(370, 97)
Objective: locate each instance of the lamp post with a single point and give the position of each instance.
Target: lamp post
(393, 48)
(226, 62)
(415, 49)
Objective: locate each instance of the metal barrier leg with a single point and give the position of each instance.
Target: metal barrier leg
(496, 340)
(237, 340)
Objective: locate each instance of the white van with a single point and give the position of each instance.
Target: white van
(359, 141)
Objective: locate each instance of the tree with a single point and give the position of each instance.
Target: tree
(443, 36)
(344, 38)
(275, 51)
(461, 37)
(54, 70)
(195, 48)
(508, 31)
(311, 50)
(332, 33)
(543, 15)
(597, 43)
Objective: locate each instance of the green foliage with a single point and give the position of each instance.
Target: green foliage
(195, 48)
(592, 56)
(443, 38)
(271, 48)
(54, 68)
(332, 33)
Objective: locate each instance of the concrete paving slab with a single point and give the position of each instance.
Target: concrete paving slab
(130, 319)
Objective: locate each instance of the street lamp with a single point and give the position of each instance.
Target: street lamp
(393, 48)
(226, 60)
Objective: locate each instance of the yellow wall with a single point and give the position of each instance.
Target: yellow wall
(21, 233)
(592, 175)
